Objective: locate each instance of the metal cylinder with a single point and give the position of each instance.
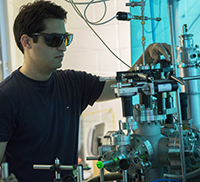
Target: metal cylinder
(57, 173)
(188, 68)
(125, 178)
(187, 40)
(192, 88)
(152, 132)
(5, 173)
(80, 173)
(101, 170)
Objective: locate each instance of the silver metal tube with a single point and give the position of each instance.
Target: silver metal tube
(125, 178)
(108, 163)
(79, 173)
(172, 34)
(143, 38)
(171, 4)
(190, 78)
(189, 71)
(36, 166)
(5, 174)
(63, 167)
(101, 170)
(57, 174)
(178, 80)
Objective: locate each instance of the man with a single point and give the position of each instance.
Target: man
(40, 105)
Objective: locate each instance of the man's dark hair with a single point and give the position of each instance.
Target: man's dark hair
(31, 18)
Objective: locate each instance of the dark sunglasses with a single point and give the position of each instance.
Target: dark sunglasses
(54, 39)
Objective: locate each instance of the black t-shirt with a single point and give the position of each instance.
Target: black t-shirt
(40, 120)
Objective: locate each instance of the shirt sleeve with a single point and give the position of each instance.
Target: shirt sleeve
(92, 88)
(88, 86)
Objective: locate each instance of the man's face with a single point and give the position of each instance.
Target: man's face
(44, 57)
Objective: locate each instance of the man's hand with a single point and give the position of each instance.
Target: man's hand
(153, 52)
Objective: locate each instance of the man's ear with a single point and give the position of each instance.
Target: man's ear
(26, 41)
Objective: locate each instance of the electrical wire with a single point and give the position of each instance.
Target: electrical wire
(94, 23)
(84, 3)
(98, 22)
(88, 4)
(80, 14)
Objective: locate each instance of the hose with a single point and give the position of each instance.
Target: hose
(194, 175)
(173, 180)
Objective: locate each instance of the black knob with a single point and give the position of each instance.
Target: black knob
(124, 164)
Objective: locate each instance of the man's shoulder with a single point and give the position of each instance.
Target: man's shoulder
(69, 72)
(9, 80)
(73, 74)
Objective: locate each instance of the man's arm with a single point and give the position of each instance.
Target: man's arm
(108, 91)
(2, 150)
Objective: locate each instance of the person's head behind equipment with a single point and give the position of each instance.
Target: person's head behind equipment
(31, 18)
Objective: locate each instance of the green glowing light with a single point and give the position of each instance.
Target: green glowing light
(99, 164)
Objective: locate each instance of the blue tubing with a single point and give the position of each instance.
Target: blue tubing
(173, 180)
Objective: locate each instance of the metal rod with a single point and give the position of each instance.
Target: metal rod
(173, 56)
(177, 79)
(5, 174)
(125, 177)
(79, 173)
(57, 173)
(101, 170)
(191, 78)
(143, 38)
(36, 166)
(63, 167)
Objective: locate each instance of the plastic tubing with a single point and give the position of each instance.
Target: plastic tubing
(189, 176)
(165, 180)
